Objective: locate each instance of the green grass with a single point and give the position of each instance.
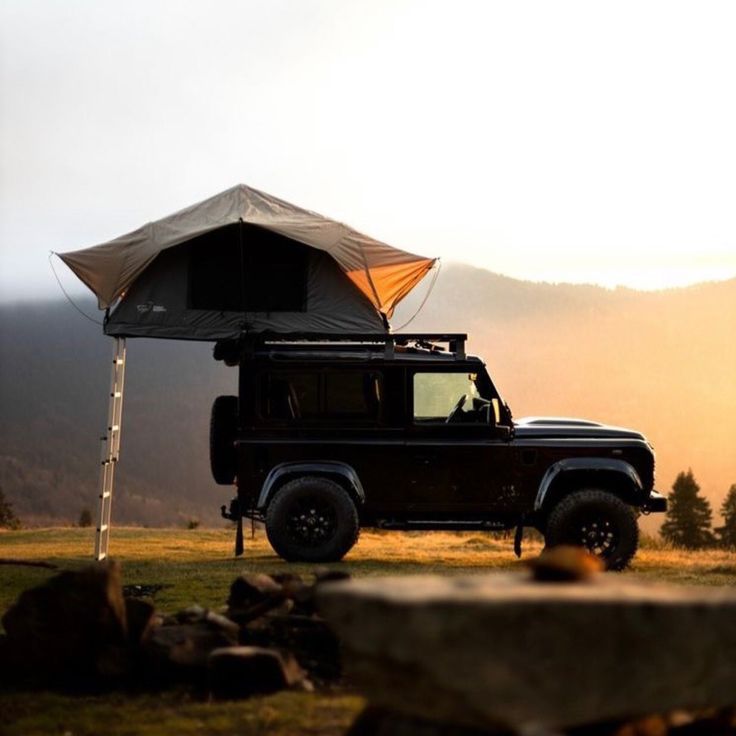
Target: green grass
(197, 566)
(283, 714)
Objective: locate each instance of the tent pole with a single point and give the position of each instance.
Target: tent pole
(110, 448)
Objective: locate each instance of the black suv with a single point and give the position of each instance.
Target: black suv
(331, 434)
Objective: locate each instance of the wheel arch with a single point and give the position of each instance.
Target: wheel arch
(608, 474)
(341, 473)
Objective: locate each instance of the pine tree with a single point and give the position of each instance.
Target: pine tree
(85, 518)
(8, 519)
(689, 516)
(727, 532)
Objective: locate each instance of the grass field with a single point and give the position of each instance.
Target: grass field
(197, 567)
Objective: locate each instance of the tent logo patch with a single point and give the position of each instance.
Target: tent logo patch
(150, 307)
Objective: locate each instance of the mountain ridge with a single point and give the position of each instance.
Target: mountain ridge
(660, 361)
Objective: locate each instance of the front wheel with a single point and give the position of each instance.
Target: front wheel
(599, 521)
(312, 519)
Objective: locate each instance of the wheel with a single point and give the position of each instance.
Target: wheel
(312, 519)
(223, 428)
(599, 521)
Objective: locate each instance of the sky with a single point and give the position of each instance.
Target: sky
(552, 141)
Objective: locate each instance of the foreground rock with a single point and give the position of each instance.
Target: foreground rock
(72, 628)
(504, 652)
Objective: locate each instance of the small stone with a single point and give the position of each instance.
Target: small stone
(302, 597)
(648, 726)
(179, 652)
(284, 578)
(250, 589)
(253, 596)
(239, 672)
(564, 564)
(190, 615)
(140, 617)
(223, 623)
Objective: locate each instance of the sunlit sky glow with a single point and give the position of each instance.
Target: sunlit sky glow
(557, 141)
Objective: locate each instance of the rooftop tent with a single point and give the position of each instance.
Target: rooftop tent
(245, 261)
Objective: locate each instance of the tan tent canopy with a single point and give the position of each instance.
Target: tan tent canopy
(382, 274)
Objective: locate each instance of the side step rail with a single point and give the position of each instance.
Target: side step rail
(110, 449)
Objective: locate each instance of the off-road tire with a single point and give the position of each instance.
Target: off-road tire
(593, 512)
(286, 522)
(223, 429)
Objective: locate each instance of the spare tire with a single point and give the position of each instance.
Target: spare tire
(223, 429)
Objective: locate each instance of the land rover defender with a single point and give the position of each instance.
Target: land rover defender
(330, 434)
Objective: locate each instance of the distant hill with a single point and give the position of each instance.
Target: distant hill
(663, 362)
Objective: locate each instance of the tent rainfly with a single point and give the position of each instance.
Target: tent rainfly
(239, 262)
(244, 261)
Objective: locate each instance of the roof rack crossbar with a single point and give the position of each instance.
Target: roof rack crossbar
(249, 342)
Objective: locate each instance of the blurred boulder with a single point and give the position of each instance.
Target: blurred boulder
(71, 630)
(503, 651)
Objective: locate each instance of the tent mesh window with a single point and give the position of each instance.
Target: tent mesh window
(245, 268)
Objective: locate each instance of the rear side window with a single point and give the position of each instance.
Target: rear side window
(319, 396)
(351, 393)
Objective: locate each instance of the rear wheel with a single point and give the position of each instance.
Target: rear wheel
(312, 519)
(599, 521)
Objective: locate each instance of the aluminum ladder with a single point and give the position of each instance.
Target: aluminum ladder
(110, 449)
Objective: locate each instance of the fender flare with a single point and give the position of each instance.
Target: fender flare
(592, 464)
(328, 468)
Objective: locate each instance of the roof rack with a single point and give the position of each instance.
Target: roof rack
(231, 350)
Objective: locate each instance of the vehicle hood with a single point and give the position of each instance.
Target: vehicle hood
(568, 427)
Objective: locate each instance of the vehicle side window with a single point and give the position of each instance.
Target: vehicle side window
(448, 397)
(351, 393)
(290, 396)
(318, 396)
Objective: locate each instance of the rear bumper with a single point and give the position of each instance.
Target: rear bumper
(655, 503)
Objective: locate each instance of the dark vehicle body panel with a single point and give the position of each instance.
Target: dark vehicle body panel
(499, 473)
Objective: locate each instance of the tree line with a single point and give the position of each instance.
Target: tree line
(689, 519)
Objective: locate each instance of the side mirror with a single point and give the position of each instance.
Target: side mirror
(502, 431)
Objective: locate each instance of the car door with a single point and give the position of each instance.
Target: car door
(458, 457)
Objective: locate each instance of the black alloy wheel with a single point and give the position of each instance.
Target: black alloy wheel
(599, 521)
(312, 519)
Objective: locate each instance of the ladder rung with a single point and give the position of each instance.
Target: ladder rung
(102, 528)
(114, 428)
(116, 395)
(106, 494)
